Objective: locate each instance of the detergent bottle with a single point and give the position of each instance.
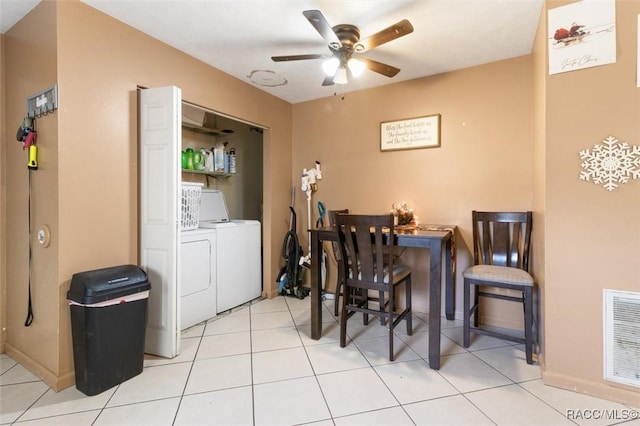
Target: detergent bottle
(198, 160)
(208, 159)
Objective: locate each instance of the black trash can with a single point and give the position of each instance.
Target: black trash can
(108, 321)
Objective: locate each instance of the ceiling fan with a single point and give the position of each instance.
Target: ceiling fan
(345, 45)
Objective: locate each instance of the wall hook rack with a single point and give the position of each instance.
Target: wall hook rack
(43, 103)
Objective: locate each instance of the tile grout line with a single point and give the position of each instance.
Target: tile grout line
(253, 389)
(315, 374)
(193, 362)
(543, 401)
(33, 403)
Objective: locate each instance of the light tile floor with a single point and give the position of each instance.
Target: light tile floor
(257, 365)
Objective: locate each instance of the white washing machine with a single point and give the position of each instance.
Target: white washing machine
(238, 262)
(238, 255)
(197, 276)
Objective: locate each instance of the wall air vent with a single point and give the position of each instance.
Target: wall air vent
(622, 337)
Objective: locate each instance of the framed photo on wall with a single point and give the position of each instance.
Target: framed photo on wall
(410, 133)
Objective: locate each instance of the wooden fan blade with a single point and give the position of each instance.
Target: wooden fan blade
(380, 68)
(393, 32)
(296, 57)
(317, 19)
(328, 81)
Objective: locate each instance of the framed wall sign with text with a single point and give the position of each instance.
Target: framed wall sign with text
(411, 133)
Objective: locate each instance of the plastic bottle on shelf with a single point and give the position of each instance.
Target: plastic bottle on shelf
(198, 160)
(189, 159)
(226, 162)
(208, 159)
(232, 161)
(218, 158)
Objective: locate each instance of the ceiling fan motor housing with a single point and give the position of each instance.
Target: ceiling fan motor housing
(348, 35)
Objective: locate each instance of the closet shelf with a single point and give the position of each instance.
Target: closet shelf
(212, 174)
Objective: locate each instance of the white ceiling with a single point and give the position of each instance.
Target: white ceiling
(240, 36)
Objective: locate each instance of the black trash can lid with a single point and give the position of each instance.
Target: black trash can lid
(108, 283)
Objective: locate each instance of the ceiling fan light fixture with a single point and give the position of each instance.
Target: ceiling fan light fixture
(356, 67)
(341, 76)
(330, 66)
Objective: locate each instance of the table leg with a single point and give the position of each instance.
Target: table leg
(435, 292)
(450, 284)
(316, 292)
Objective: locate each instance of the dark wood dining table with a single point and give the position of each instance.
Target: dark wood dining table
(438, 239)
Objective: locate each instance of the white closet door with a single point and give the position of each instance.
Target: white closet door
(160, 143)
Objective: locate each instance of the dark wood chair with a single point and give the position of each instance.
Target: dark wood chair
(501, 243)
(337, 256)
(366, 249)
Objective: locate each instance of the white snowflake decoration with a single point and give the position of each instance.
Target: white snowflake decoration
(611, 163)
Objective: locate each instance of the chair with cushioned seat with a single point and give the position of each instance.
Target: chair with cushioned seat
(366, 251)
(501, 243)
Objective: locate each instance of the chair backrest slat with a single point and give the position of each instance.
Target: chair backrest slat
(502, 238)
(332, 223)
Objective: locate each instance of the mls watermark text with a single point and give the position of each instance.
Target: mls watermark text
(602, 414)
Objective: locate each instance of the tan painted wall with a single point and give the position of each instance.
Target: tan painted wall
(3, 204)
(592, 236)
(539, 56)
(484, 162)
(36, 346)
(86, 189)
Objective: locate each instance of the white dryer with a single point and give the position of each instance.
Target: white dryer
(197, 276)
